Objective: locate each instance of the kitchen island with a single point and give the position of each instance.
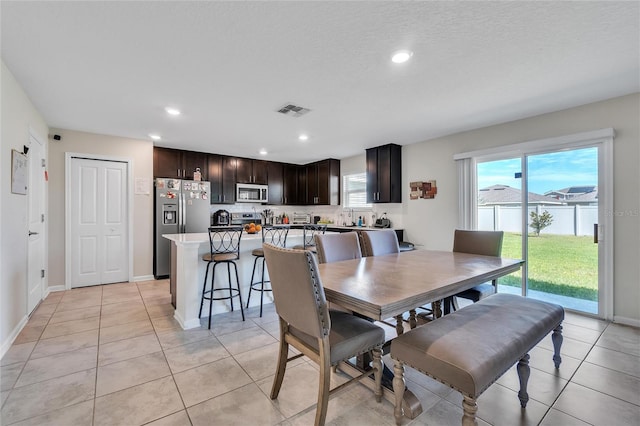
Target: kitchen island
(188, 270)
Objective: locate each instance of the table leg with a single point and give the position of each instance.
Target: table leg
(400, 324)
(437, 309)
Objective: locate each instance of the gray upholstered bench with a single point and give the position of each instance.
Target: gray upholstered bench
(472, 347)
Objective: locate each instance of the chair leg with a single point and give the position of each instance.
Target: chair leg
(325, 380)
(262, 286)
(204, 288)
(255, 263)
(398, 389)
(377, 375)
(229, 281)
(282, 362)
(213, 278)
(238, 285)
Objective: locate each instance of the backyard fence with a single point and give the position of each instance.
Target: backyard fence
(567, 220)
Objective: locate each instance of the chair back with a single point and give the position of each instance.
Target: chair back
(484, 243)
(335, 247)
(377, 243)
(275, 235)
(309, 232)
(297, 290)
(225, 240)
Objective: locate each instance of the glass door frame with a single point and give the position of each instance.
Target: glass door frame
(603, 140)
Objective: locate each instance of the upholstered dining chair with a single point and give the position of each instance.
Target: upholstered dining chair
(486, 243)
(336, 247)
(325, 336)
(377, 243)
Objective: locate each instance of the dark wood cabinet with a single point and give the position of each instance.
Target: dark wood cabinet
(214, 173)
(251, 171)
(384, 174)
(323, 183)
(178, 164)
(167, 163)
(229, 180)
(291, 185)
(275, 180)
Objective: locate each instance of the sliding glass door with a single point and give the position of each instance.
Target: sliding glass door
(547, 205)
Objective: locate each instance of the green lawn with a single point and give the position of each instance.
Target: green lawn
(558, 264)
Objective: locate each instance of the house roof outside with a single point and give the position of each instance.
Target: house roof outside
(581, 192)
(505, 194)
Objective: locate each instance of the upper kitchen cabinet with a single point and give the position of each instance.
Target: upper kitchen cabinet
(179, 164)
(214, 172)
(275, 180)
(323, 183)
(384, 174)
(229, 166)
(292, 184)
(251, 171)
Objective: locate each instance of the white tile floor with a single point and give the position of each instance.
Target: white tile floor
(113, 355)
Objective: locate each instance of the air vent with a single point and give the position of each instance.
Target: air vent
(293, 110)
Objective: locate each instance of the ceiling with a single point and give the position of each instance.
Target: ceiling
(112, 68)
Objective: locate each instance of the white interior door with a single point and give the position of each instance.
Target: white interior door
(99, 222)
(36, 245)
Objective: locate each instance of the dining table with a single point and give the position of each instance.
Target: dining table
(392, 285)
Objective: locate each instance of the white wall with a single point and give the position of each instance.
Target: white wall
(17, 115)
(141, 152)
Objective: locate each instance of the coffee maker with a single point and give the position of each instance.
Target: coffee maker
(220, 218)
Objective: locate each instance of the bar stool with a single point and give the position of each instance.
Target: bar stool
(309, 232)
(277, 236)
(224, 244)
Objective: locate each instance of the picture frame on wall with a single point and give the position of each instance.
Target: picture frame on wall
(19, 172)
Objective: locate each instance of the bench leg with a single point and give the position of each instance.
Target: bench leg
(398, 390)
(523, 375)
(469, 407)
(399, 324)
(556, 338)
(413, 323)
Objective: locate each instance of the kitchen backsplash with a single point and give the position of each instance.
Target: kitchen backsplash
(335, 214)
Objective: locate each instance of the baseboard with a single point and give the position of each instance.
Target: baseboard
(143, 278)
(55, 288)
(626, 321)
(7, 343)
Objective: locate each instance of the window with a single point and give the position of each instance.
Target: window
(355, 191)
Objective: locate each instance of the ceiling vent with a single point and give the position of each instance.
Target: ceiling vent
(293, 110)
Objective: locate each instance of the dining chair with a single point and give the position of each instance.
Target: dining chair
(224, 248)
(309, 232)
(377, 243)
(336, 247)
(272, 234)
(486, 243)
(326, 336)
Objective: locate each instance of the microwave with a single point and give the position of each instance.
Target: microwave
(247, 193)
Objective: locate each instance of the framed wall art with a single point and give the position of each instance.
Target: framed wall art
(19, 172)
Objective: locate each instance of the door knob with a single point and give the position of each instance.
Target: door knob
(32, 233)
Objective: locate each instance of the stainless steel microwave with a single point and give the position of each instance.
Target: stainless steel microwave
(248, 193)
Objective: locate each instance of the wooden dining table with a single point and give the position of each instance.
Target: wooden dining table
(388, 286)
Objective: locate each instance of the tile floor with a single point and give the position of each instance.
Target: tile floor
(113, 355)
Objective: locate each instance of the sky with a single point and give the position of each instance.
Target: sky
(547, 172)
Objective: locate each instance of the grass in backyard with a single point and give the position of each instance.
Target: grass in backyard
(559, 264)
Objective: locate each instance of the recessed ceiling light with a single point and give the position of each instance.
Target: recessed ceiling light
(154, 137)
(263, 152)
(401, 56)
(303, 137)
(172, 111)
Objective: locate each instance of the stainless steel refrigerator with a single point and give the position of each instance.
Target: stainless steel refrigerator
(181, 206)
